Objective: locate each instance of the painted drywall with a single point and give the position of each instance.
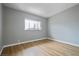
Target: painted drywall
(13, 26)
(65, 25)
(0, 26)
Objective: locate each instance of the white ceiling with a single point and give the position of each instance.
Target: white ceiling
(41, 9)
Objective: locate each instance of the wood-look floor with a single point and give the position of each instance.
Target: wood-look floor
(41, 48)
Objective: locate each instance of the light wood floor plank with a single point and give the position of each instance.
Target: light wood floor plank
(44, 47)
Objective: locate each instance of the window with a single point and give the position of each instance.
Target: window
(32, 24)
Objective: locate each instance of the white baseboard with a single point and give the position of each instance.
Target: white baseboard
(41, 39)
(37, 40)
(20, 43)
(65, 42)
(23, 42)
(1, 50)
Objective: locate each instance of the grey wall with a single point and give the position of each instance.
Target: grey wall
(0, 26)
(13, 27)
(65, 25)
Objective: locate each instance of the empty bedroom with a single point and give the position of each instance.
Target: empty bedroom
(39, 29)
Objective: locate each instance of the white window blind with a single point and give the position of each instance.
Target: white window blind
(32, 25)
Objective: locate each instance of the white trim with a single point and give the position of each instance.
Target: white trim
(37, 40)
(23, 42)
(20, 43)
(1, 50)
(65, 42)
